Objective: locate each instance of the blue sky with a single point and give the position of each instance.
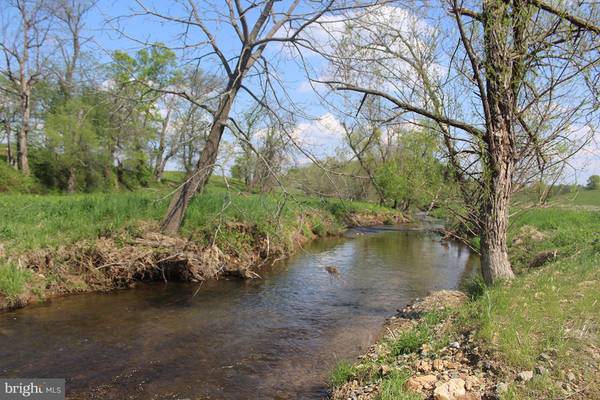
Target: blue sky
(319, 126)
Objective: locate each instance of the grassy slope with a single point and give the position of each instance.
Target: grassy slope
(32, 222)
(551, 309)
(554, 309)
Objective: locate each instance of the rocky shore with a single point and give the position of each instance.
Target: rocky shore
(449, 365)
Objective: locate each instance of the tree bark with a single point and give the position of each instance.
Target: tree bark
(495, 265)
(25, 101)
(72, 182)
(22, 153)
(204, 167)
(499, 156)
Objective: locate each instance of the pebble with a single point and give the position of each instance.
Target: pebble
(501, 388)
(539, 370)
(525, 376)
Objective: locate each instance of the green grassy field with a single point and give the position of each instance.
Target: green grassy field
(553, 309)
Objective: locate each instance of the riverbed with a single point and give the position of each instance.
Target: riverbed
(272, 338)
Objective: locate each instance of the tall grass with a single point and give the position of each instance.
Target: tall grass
(13, 280)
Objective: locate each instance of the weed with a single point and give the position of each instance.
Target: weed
(13, 280)
(341, 374)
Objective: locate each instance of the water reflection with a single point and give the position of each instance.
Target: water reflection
(274, 338)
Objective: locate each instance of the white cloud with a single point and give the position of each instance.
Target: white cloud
(323, 131)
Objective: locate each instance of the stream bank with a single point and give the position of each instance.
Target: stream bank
(140, 253)
(277, 337)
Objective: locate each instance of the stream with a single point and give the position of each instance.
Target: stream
(271, 338)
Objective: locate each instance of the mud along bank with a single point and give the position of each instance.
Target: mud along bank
(56, 245)
(272, 338)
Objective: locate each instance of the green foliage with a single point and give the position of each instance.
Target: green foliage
(12, 181)
(413, 175)
(593, 182)
(13, 280)
(341, 374)
(409, 341)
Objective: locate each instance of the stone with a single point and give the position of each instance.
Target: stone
(501, 388)
(417, 382)
(525, 376)
(454, 389)
(438, 365)
(454, 345)
(384, 370)
(471, 381)
(424, 366)
(452, 365)
(539, 370)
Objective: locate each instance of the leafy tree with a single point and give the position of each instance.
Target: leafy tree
(593, 182)
(413, 174)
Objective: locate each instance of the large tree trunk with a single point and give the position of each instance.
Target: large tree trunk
(203, 170)
(495, 265)
(499, 158)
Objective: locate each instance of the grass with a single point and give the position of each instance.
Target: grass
(392, 384)
(411, 340)
(392, 388)
(553, 309)
(12, 181)
(13, 280)
(34, 221)
(341, 374)
(237, 222)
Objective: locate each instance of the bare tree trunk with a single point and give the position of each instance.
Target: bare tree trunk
(22, 153)
(500, 147)
(24, 93)
(495, 264)
(203, 170)
(161, 161)
(159, 169)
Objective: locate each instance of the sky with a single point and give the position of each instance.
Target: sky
(116, 24)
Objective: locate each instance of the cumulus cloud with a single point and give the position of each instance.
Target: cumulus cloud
(322, 131)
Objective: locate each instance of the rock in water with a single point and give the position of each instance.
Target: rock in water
(454, 389)
(332, 269)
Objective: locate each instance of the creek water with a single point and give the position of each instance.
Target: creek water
(273, 338)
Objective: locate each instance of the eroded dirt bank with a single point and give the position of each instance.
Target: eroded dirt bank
(120, 260)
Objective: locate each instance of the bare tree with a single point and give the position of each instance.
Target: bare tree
(184, 124)
(24, 55)
(507, 100)
(71, 14)
(250, 27)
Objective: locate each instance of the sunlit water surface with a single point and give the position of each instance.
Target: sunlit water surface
(274, 338)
